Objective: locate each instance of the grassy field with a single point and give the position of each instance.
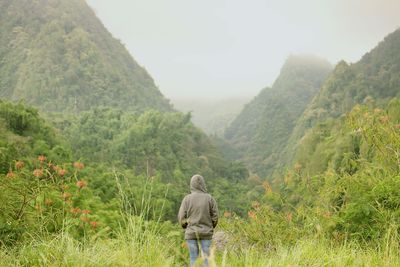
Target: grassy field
(143, 245)
(139, 242)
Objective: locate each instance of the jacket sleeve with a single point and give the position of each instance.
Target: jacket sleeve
(182, 214)
(214, 212)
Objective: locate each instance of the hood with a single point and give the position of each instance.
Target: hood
(197, 184)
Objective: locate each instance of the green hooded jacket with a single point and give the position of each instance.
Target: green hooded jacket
(198, 213)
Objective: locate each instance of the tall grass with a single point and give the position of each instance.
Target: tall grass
(313, 253)
(63, 250)
(155, 251)
(139, 242)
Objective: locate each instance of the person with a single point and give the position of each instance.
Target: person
(198, 215)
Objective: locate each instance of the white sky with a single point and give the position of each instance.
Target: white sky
(227, 48)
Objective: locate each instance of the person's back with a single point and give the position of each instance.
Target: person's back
(198, 214)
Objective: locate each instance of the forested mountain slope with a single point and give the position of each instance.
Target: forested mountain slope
(376, 78)
(343, 178)
(344, 151)
(58, 56)
(24, 134)
(261, 130)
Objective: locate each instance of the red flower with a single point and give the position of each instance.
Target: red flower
(255, 205)
(38, 173)
(41, 158)
(75, 211)
(19, 164)
(94, 224)
(48, 202)
(384, 119)
(289, 216)
(81, 184)
(61, 172)
(86, 212)
(267, 187)
(252, 215)
(79, 165)
(55, 168)
(327, 214)
(10, 175)
(66, 195)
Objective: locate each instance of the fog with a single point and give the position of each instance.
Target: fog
(230, 48)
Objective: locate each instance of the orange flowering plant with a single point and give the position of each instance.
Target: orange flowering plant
(42, 196)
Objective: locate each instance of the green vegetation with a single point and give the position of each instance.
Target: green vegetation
(165, 146)
(100, 183)
(348, 174)
(374, 78)
(23, 135)
(61, 212)
(53, 202)
(65, 251)
(57, 55)
(261, 130)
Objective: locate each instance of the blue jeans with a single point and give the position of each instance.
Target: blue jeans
(193, 245)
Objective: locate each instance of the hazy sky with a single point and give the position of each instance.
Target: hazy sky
(225, 48)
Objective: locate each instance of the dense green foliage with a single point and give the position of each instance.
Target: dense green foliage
(23, 134)
(152, 156)
(347, 175)
(261, 130)
(57, 55)
(148, 143)
(375, 77)
(165, 146)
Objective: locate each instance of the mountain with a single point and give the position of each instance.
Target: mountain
(344, 150)
(57, 55)
(259, 133)
(375, 78)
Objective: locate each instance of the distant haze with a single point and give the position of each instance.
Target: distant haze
(229, 48)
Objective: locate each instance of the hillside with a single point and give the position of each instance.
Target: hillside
(24, 134)
(344, 151)
(375, 78)
(57, 55)
(261, 130)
